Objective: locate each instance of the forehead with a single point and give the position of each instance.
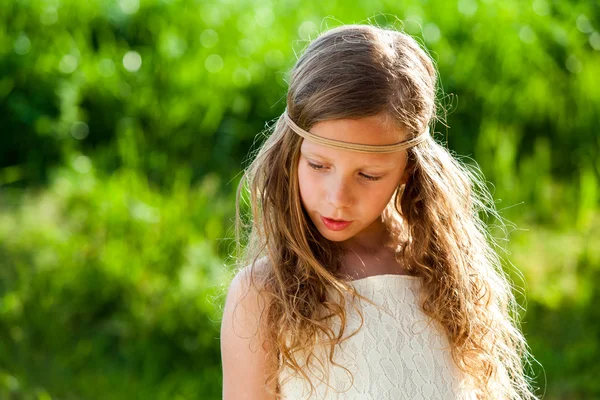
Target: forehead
(373, 130)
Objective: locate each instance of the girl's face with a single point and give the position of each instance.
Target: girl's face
(348, 185)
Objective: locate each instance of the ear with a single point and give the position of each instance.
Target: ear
(407, 173)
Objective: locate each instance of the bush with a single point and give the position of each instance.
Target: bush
(108, 268)
(109, 287)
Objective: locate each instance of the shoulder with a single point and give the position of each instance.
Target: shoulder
(243, 292)
(243, 289)
(256, 269)
(244, 350)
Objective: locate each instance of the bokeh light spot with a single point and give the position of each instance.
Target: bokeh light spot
(595, 40)
(241, 77)
(540, 7)
(527, 35)
(49, 16)
(245, 48)
(22, 45)
(584, 24)
(240, 104)
(174, 46)
(431, 33)
(246, 24)
(573, 64)
(68, 63)
(560, 36)
(212, 15)
(213, 63)
(80, 130)
(264, 17)
(467, 7)
(413, 24)
(82, 164)
(143, 212)
(132, 61)
(209, 38)
(11, 383)
(274, 58)
(306, 29)
(129, 6)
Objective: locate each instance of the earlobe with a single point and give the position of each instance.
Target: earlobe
(408, 170)
(404, 178)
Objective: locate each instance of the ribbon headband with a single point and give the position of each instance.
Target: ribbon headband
(363, 148)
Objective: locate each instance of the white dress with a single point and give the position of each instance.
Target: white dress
(395, 355)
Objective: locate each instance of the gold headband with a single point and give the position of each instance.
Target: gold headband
(363, 148)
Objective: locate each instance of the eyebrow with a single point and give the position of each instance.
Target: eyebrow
(315, 154)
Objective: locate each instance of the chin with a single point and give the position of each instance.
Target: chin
(339, 236)
(338, 239)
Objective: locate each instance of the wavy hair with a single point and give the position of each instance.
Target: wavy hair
(356, 71)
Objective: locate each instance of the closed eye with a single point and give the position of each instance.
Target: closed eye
(371, 178)
(320, 167)
(314, 166)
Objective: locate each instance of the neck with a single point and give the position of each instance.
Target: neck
(371, 240)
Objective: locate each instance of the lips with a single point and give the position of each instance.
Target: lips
(335, 225)
(336, 220)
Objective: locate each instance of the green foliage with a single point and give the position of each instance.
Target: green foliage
(125, 127)
(111, 287)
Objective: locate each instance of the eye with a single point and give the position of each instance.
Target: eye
(314, 166)
(371, 178)
(320, 167)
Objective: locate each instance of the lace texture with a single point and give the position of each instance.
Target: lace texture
(395, 355)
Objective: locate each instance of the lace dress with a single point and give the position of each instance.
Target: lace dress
(395, 355)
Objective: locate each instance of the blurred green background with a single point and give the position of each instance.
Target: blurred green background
(125, 125)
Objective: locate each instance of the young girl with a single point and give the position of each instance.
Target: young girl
(367, 273)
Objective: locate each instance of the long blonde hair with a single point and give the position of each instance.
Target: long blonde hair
(356, 71)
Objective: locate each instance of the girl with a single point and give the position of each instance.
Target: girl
(367, 273)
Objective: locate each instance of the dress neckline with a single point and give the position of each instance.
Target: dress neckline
(384, 277)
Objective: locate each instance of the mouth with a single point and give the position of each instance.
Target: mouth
(335, 225)
(336, 220)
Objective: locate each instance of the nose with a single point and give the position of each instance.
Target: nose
(339, 193)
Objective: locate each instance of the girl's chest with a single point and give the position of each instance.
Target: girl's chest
(360, 265)
(393, 354)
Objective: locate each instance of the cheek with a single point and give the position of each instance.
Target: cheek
(306, 184)
(380, 197)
